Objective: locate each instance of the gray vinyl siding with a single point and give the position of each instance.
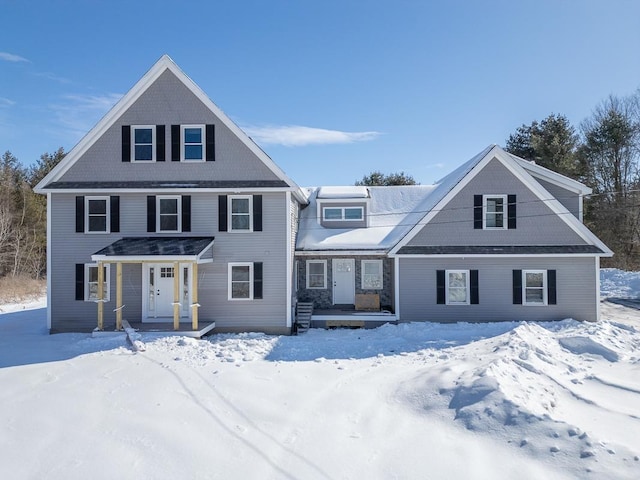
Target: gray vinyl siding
(268, 246)
(168, 102)
(577, 295)
(537, 224)
(569, 199)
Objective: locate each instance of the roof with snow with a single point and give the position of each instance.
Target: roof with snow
(392, 212)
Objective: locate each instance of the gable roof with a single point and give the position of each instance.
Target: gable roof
(163, 64)
(453, 183)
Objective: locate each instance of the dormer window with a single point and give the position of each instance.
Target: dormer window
(142, 146)
(342, 214)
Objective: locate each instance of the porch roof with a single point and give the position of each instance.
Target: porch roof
(156, 249)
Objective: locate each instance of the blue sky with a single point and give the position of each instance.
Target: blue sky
(331, 90)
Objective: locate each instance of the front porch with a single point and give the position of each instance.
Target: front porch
(169, 283)
(166, 329)
(345, 316)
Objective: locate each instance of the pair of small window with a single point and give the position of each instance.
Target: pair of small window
(342, 214)
(146, 143)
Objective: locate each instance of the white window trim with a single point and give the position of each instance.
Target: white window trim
(203, 143)
(107, 281)
(467, 277)
(544, 288)
(504, 212)
(362, 274)
(342, 218)
(133, 143)
(230, 281)
(87, 216)
(324, 277)
(230, 214)
(158, 213)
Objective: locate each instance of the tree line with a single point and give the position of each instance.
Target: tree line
(603, 152)
(23, 216)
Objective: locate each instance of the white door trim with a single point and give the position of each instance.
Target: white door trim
(149, 314)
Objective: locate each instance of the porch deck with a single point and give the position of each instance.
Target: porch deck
(164, 328)
(350, 317)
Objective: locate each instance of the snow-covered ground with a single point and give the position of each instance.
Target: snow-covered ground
(503, 400)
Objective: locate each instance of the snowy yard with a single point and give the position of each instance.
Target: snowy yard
(504, 400)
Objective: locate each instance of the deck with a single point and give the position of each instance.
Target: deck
(164, 328)
(350, 317)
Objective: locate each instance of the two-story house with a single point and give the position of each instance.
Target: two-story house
(168, 214)
(179, 216)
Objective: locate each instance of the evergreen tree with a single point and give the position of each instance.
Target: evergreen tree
(377, 178)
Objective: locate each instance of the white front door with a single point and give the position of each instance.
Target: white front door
(159, 291)
(344, 280)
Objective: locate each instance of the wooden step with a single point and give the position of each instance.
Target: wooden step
(304, 310)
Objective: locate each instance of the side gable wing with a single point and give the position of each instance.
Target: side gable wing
(542, 219)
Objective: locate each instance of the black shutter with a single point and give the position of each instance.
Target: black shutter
(477, 212)
(551, 287)
(115, 213)
(80, 214)
(517, 287)
(257, 280)
(186, 213)
(211, 143)
(257, 213)
(511, 211)
(475, 292)
(440, 290)
(151, 213)
(126, 143)
(175, 143)
(222, 213)
(79, 281)
(160, 143)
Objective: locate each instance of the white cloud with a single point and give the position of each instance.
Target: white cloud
(5, 102)
(297, 136)
(80, 112)
(10, 57)
(53, 76)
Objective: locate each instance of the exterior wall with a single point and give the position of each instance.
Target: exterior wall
(168, 101)
(569, 199)
(269, 246)
(323, 298)
(537, 224)
(576, 280)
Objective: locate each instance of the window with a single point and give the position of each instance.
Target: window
(142, 146)
(169, 214)
(341, 214)
(97, 211)
(193, 144)
(240, 281)
(91, 284)
(316, 274)
(457, 287)
(240, 209)
(371, 274)
(494, 208)
(534, 287)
